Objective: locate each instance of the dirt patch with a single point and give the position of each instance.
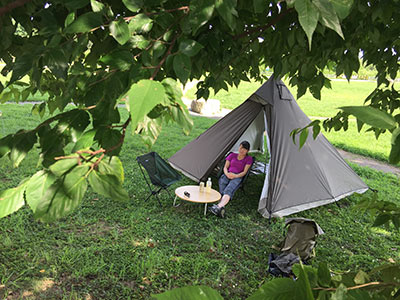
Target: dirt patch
(370, 162)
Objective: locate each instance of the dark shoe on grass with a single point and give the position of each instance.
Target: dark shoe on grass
(218, 211)
(214, 209)
(222, 212)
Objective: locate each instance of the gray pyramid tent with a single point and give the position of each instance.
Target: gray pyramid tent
(297, 179)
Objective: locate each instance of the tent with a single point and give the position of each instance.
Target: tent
(297, 179)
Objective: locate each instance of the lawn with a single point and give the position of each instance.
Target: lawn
(130, 250)
(342, 93)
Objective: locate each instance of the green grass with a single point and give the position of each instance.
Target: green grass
(113, 250)
(363, 143)
(342, 93)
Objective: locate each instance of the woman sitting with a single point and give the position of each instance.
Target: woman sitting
(236, 167)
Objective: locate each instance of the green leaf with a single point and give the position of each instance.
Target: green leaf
(143, 96)
(201, 12)
(120, 59)
(324, 275)
(22, 143)
(308, 17)
(63, 196)
(133, 5)
(189, 292)
(371, 116)
(23, 64)
(112, 166)
(190, 47)
(74, 122)
(360, 124)
(97, 6)
(342, 7)
(303, 285)
(259, 6)
(394, 156)
(316, 130)
(328, 16)
(6, 145)
(52, 145)
(182, 67)
(105, 114)
(340, 293)
(293, 134)
(107, 185)
(11, 200)
(382, 219)
(139, 41)
(389, 272)
(109, 139)
(361, 277)
(149, 130)
(277, 289)
(172, 90)
(85, 141)
(75, 4)
(141, 23)
(69, 19)
(396, 221)
(58, 63)
(120, 31)
(85, 23)
(395, 136)
(37, 186)
(226, 9)
(63, 166)
(181, 116)
(303, 137)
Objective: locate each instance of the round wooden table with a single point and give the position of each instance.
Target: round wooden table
(196, 195)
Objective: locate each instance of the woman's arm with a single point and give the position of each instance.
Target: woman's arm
(246, 168)
(226, 167)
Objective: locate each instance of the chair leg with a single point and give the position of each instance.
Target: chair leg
(168, 193)
(159, 202)
(155, 193)
(148, 197)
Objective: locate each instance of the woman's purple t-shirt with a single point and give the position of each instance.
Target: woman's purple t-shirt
(237, 166)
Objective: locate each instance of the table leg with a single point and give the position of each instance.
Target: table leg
(205, 208)
(175, 205)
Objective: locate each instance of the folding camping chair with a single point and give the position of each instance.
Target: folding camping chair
(161, 174)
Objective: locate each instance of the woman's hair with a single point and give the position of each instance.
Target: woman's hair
(245, 145)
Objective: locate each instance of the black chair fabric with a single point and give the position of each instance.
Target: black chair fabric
(161, 174)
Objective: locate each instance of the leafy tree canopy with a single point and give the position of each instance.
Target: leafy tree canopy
(95, 54)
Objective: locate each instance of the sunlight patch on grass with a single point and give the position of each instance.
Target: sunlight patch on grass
(382, 231)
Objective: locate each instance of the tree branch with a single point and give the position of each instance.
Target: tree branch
(357, 286)
(12, 5)
(247, 33)
(264, 27)
(165, 57)
(124, 126)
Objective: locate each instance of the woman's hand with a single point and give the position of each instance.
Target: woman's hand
(231, 175)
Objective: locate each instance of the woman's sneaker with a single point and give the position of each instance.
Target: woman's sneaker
(222, 212)
(218, 211)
